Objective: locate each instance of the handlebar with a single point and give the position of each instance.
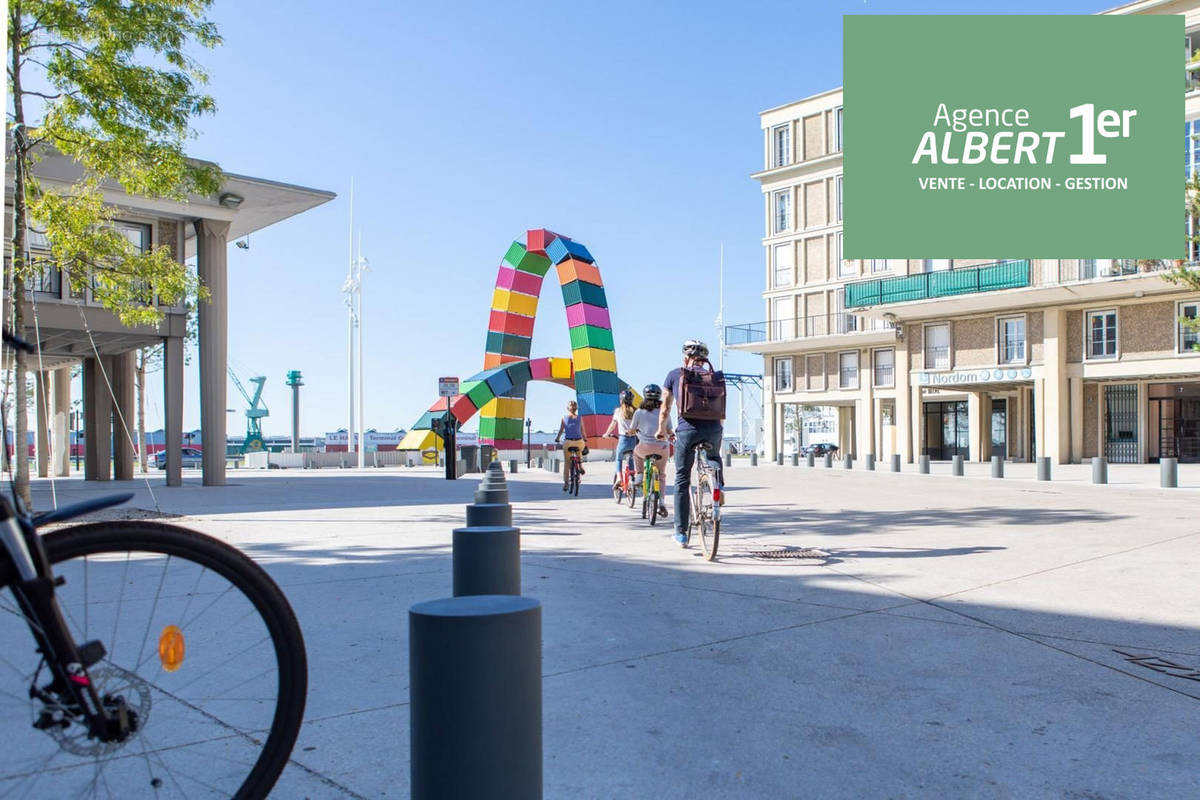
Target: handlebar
(16, 342)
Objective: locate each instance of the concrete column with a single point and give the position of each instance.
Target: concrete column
(41, 399)
(1076, 453)
(61, 422)
(1038, 409)
(124, 415)
(846, 430)
(917, 424)
(774, 426)
(865, 415)
(173, 407)
(904, 395)
(97, 420)
(211, 247)
(979, 420)
(1055, 422)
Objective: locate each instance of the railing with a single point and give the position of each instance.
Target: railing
(884, 376)
(777, 330)
(942, 283)
(937, 357)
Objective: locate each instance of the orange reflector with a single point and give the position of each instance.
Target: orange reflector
(170, 648)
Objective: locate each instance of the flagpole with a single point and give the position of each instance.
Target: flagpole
(348, 290)
(362, 414)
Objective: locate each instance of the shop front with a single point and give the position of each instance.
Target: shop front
(1174, 421)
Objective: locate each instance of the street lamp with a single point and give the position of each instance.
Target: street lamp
(528, 430)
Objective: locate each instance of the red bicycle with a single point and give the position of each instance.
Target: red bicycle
(625, 487)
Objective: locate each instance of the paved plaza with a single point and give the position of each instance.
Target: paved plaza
(960, 637)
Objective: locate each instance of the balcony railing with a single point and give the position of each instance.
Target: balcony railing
(777, 330)
(941, 283)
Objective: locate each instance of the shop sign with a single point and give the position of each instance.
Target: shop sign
(974, 376)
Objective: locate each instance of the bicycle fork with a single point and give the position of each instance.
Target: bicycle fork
(108, 719)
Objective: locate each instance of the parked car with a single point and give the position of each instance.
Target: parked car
(190, 455)
(820, 449)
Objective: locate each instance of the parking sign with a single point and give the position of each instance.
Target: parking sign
(447, 387)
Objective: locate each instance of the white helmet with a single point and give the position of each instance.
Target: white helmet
(694, 348)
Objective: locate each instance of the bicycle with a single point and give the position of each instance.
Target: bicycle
(164, 662)
(625, 487)
(571, 483)
(705, 512)
(651, 487)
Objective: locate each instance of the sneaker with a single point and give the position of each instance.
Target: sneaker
(662, 511)
(564, 487)
(682, 538)
(582, 471)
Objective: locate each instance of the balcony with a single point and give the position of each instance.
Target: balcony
(781, 330)
(941, 283)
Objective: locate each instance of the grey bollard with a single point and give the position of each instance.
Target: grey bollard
(487, 560)
(489, 514)
(729, 459)
(1168, 473)
(870, 464)
(811, 459)
(956, 466)
(1043, 468)
(997, 467)
(754, 459)
(829, 460)
(795, 459)
(895, 462)
(512, 466)
(924, 464)
(848, 462)
(475, 692)
(1099, 470)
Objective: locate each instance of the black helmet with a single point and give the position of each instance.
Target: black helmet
(694, 348)
(652, 391)
(627, 396)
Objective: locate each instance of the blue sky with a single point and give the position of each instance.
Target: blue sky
(631, 127)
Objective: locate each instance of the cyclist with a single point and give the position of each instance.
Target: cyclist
(647, 425)
(572, 426)
(622, 423)
(689, 433)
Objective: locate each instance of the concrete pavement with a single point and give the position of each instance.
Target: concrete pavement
(960, 637)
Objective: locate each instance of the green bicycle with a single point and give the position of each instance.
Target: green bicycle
(651, 488)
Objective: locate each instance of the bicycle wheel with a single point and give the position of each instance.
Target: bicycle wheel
(201, 644)
(633, 487)
(653, 501)
(618, 490)
(574, 479)
(710, 528)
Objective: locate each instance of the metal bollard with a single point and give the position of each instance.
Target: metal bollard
(1043, 468)
(1168, 473)
(1099, 470)
(729, 459)
(956, 466)
(997, 467)
(779, 459)
(829, 461)
(848, 462)
(795, 459)
(475, 692)
(924, 468)
(512, 466)
(487, 560)
(895, 462)
(870, 462)
(811, 459)
(754, 459)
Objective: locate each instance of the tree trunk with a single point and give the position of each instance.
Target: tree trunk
(20, 181)
(140, 382)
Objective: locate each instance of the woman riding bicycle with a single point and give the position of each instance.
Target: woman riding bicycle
(622, 422)
(647, 425)
(572, 426)
(690, 432)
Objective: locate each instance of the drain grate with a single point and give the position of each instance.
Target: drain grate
(1159, 664)
(789, 552)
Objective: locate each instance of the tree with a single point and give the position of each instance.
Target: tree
(107, 83)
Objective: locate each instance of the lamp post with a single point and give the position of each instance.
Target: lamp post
(528, 431)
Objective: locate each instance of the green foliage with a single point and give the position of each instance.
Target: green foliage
(115, 91)
(1185, 273)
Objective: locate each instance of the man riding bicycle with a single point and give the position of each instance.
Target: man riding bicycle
(689, 432)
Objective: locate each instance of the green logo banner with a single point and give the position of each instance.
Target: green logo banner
(1013, 137)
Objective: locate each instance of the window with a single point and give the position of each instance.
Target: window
(935, 264)
(1087, 268)
(839, 198)
(844, 268)
(843, 322)
(848, 370)
(781, 138)
(783, 256)
(883, 370)
(1102, 334)
(783, 210)
(783, 375)
(784, 318)
(138, 235)
(880, 265)
(1011, 339)
(1189, 333)
(937, 346)
(837, 129)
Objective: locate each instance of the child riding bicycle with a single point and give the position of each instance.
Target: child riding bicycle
(647, 425)
(621, 424)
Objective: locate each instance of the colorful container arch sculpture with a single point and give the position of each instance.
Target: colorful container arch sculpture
(498, 393)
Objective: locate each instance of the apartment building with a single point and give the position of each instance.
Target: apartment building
(1066, 358)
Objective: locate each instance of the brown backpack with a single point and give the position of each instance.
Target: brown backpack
(702, 393)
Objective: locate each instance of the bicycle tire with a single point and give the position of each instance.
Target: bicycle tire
(574, 480)
(619, 492)
(710, 528)
(653, 500)
(185, 716)
(632, 493)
